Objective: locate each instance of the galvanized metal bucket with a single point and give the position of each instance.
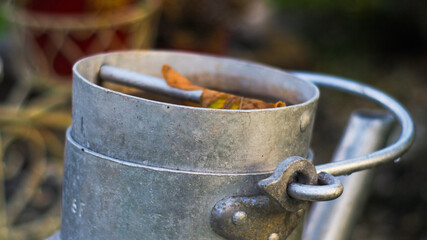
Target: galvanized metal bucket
(144, 169)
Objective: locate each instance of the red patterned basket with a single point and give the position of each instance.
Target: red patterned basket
(51, 35)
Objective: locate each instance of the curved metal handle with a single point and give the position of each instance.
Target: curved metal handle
(384, 155)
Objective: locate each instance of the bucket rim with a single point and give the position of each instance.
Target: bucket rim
(314, 98)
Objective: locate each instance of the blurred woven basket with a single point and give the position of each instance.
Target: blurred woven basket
(49, 36)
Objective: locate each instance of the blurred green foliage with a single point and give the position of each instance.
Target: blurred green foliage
(4, 26)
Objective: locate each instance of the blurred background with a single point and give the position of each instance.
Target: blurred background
(381, 43)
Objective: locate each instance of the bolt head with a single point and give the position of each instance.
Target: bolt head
(274, 236)
(239, 217)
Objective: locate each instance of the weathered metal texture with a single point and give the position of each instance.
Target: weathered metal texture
(274, 216)
(290, 170)
(187, 138)
(143, 169)
(107, 198)
(366, 132)
(257, 217)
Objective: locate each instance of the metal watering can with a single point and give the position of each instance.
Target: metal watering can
(142, 169)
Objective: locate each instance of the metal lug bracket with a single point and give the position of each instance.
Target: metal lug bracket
(290, 170)
(249, 218)
(271, 216)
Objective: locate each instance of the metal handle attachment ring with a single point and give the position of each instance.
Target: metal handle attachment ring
(328, 188)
